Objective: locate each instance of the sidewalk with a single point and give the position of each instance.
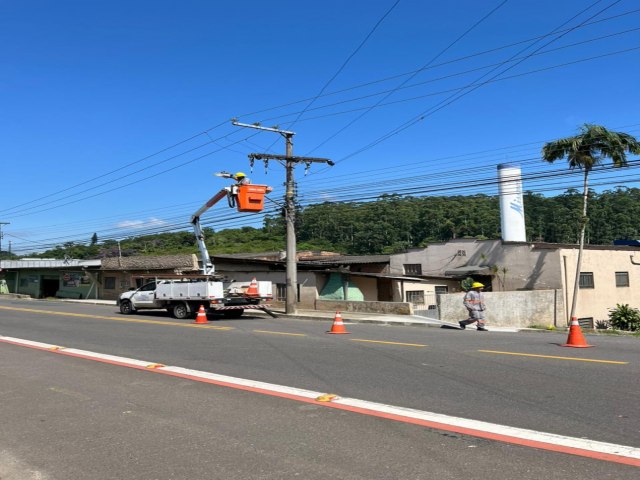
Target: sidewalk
(347, 317)
(353, 317)
(383, 319)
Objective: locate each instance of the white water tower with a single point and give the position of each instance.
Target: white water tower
(511, 203)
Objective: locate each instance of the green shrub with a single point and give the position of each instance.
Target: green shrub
(466, 284)
(624, 317)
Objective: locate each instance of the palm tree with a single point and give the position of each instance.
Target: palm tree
(584, 151)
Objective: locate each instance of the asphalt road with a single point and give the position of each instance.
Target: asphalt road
(67, 417)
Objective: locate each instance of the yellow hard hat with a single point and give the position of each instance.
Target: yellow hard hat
(477, 285)
(239, 175)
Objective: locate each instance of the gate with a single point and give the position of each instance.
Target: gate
(427, 306)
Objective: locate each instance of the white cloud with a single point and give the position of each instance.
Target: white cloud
(135, 224)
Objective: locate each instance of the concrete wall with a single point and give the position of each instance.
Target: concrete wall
(396, 308)
(510, 309)
(368, 286)
(522, 266)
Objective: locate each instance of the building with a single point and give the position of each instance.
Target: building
(119, 274)
(325, 279)
(42, 277)
(607, 276)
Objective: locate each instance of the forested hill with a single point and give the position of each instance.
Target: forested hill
(394, 223)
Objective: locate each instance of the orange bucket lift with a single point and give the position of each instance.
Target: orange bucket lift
(250, 198)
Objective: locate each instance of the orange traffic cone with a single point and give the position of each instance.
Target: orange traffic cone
(576, 339)
(338, 326)
(202, 315)
(252, 290)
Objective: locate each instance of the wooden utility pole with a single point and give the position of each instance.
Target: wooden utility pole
(2, 235)
(289, 201)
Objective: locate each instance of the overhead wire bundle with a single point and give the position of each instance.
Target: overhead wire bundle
(476, 176)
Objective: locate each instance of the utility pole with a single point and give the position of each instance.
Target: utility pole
(289, 200)
(2, 235)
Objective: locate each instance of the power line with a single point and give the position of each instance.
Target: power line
(459, 59)
(442, 52)
(542, 177)
(344, 64)
(205, 132)
(121, 186)
(320, 195)
(470, 87)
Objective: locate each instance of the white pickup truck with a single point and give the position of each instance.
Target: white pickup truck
(182, 297)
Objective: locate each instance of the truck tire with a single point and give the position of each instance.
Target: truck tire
(126, 308)
(180, 311)
(233, 313)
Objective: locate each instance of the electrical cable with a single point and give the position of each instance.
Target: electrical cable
(473, 86)
(220, 124)
(442, 52)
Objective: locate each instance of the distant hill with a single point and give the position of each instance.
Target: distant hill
(393, 223)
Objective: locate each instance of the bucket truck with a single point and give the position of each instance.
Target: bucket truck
(182, 295)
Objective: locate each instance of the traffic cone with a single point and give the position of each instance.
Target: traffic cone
(576, 339)
(338, 326)
(252, 290)
(202, 316)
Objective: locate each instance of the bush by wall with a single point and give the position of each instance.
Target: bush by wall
(624, 317)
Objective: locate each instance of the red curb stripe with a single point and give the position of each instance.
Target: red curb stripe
(364, 411)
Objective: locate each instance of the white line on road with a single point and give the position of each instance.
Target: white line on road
(548, 441)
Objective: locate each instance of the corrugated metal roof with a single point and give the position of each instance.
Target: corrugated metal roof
(377, 275)
(468, 270)
(345, 259)
(49, 263)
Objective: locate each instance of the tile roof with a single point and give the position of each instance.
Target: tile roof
(184, 262)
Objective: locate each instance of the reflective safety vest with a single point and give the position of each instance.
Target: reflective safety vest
(474, 300)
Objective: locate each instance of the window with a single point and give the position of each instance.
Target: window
(149, 287)
(281, 292)
(586, 280)
(412, 269)
(415, 296)
(586, 322)
(622, 279)
(441, 289)
(109, 283)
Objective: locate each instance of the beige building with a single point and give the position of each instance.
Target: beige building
(608, 274)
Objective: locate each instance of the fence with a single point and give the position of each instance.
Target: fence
(426, 305)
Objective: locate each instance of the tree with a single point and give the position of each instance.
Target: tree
(94, 238)
(584, 151)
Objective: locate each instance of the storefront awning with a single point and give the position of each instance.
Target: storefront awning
(468, 270)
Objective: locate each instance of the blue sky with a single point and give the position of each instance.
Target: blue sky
(116, 114)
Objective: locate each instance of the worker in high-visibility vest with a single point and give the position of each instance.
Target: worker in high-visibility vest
(474, 303)
(241, 178)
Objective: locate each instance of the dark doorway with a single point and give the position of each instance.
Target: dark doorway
(385, 293)
(49, 287)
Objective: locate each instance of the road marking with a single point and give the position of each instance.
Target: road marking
(388, 343)
(281, 333)
(117, 319)
(555, 357)
(583, 447)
